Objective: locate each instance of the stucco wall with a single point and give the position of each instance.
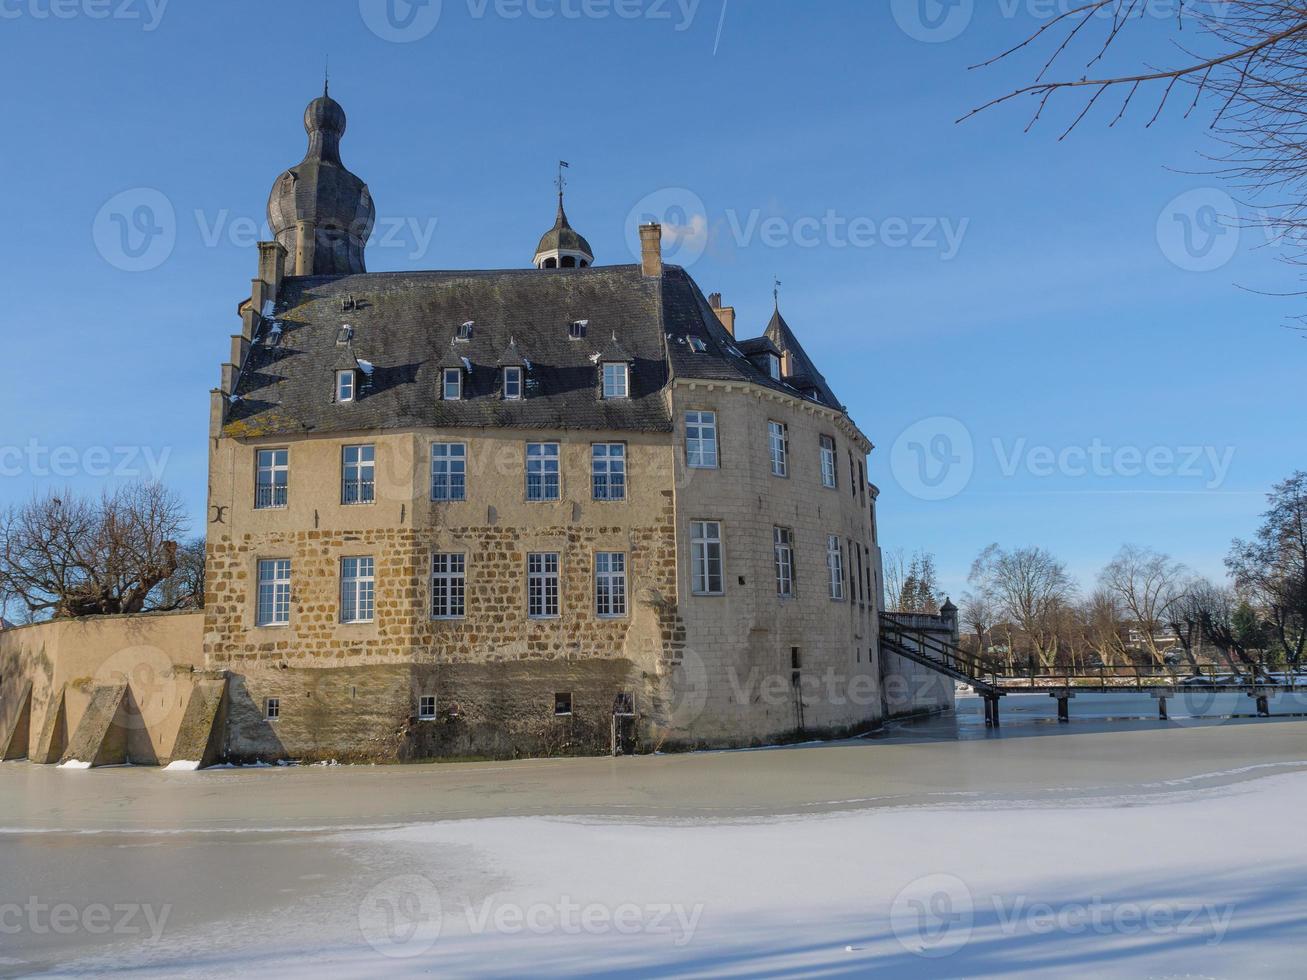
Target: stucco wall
(156, 656)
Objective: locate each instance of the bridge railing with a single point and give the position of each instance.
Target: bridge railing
(931, 646)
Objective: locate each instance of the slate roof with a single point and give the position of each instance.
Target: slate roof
(404, 325)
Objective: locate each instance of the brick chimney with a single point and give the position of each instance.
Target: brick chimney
(726, 314)
(651, 250)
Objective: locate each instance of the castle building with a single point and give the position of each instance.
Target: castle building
(523, 511)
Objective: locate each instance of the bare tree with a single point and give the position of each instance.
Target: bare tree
(1272, 568)
(184, 589)
(911, 586)
(1032, 589)
(895, 567)
(1103, 625)
(1240, 63)
(978, 612)
(62, 556)
(1147, 584)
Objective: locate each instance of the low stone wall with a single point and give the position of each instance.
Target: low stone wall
(909, 688)
(158, 657)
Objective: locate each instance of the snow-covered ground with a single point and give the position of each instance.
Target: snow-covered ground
(1138, 860)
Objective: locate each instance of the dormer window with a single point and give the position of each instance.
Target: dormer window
(774, 367)
(452, 384)
(346, 386)
(697, 345)
(512, 384)
(616, 380)
(576, 331)
(465, 331)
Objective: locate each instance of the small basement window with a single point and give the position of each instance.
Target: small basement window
(452, 385)
(427, 707)
(345, 384)
(272, 709)
(563, 704)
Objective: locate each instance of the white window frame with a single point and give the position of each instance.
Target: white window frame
(271, 709)
(543, 462)
(616, 379)
(448, 585)
(272, 603)
(610, 583)
(451, 380)
(773, 367)
(778, 447)
(513, 384)
(608, 467)
(448, 471)
(706, 558)
(358, 590)
(829, 463)
(346, 385)
(364, 465)
(544, 585)
(278, 492)
(783, 553)
(701, 450)
(425, 713)
(835, 566)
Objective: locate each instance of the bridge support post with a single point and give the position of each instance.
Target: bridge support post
(1063, 705)
(1163, 713)
(991, 711)
(1263, 703)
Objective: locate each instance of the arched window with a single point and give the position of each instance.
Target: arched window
(551, 264)
(585, 264)
(569, 261)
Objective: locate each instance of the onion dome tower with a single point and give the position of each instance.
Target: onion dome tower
(320, 212)
(562, 247)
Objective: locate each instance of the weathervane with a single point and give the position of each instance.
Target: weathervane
(562, 180)
(776, 291)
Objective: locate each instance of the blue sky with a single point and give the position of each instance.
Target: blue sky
(1021, 325)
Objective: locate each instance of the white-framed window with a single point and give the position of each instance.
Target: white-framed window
(345, 386)
(272, 479)
(512, 384)
(774, 367)
(778, 443)
(542, 471)
(274, 592)
(272, 708)
(452, 384)
(357, 590)
(616, 380)
(448, 586)
(706, 558)
(427, 707)
(563, 704)
(829, 476)
(448, 471)
(835, 566)
(610, 584)
(783, 546)
(465, 330)
(608, 469)
(701, 440)
(542, 585)
(358, 475)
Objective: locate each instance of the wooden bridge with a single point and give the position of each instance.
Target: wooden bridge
(994, 681)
